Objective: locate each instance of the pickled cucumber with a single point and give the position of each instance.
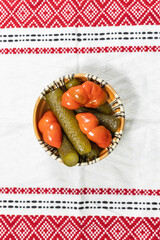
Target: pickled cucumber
(72, 83)
(94, 152)
(110, 122)
(105, 108)
(68, 153)
(68, 122)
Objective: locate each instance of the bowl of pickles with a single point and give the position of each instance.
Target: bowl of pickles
(78, 119)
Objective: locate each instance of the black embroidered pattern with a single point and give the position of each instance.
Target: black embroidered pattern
(80, 205)
(79, 36)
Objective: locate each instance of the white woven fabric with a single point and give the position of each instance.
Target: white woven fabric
(135, 76)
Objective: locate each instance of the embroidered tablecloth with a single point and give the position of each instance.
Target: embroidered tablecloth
(118, 41)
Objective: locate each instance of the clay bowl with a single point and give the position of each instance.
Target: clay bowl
(114, 101)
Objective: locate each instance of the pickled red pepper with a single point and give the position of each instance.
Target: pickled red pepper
(87, 121)
(110, 122)
(88, 94)
(88, 124)
(51, 130)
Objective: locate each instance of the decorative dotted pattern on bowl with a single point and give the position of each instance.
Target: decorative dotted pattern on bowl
(114, 101)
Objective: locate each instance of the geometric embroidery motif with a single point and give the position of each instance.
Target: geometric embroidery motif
(86, 228)
(77, 13)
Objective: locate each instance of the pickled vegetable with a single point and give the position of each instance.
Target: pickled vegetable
(88, 124)
(72, 83)
(51, 130)
(68, 122)
(68, 153)
(47, 119)
(94, 152)
(105, 108)
(101, 136)
(109, 121)
(97, 96)
(88, 94)
(69, 102)
(53, 135)
(87, 121)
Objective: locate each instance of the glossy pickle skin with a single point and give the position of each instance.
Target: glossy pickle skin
(68, 153)
(110, 122)
(105, 108)
(72, 83)
(94, 152)
(68, 122)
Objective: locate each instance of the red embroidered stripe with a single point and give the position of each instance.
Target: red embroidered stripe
(79, 50)
(80, 191)
(86, 228)
(77, 13)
